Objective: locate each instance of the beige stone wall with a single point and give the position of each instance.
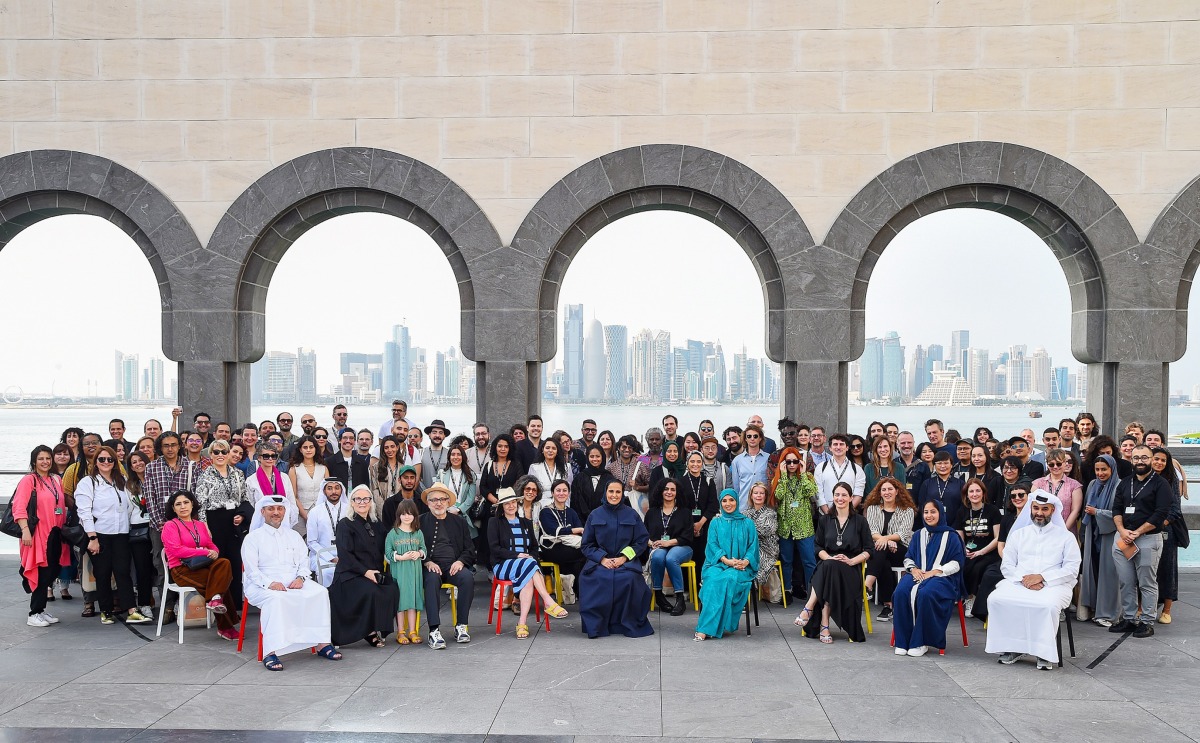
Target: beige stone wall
(507, 96)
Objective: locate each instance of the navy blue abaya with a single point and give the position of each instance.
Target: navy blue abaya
(614, 601)
(921, 610)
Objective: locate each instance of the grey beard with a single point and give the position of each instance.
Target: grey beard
(1040, 524)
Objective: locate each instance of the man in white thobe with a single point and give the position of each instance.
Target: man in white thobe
(322, 524)
(1040, 567)
(294, 609)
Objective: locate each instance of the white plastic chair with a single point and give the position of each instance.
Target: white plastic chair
(183, 591)
(325, 560)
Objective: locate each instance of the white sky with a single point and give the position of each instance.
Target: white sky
(75, 288)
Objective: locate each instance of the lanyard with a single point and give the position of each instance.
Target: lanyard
(195, 534)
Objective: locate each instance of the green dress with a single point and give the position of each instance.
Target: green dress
(406, 573)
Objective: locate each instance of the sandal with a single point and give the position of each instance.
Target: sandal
(516, 608)
(556, 611)
(374, 640)
(800, 621)
(522, 631)
(89, 611)
(271, 663)
(329, 652)
(826, 635)
(699, 637)
(401, 639)
(414, 637)
(50, 595)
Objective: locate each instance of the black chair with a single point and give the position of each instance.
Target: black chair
(1070, 637)
(752, 599)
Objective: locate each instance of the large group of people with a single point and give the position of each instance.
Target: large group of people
(340, 534)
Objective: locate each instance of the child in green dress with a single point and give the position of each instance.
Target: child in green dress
(404, 550)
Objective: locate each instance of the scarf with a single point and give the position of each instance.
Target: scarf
(1100, 494)
(674, 469)
(270, 488)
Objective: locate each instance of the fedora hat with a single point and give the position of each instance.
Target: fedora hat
(437, 424)
(437, 487)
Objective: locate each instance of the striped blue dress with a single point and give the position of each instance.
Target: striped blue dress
(519, 570)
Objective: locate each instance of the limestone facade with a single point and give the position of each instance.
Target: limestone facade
(216, 133)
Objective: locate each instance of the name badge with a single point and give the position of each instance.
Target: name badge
(795, 504)
(697, 512)
(1129, 509)
(58, 512)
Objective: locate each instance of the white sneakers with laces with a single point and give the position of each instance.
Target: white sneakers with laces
(436, 642)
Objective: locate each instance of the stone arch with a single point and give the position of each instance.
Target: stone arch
(1069, 211)
(1175, 240)
(40, 184)
(662, 176)
(282, 205)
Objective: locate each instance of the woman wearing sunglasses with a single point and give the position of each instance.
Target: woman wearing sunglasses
(103, 502)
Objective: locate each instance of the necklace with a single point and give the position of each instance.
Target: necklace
(841, 528)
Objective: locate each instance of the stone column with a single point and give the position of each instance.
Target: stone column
(815, 393)
(1141, 394)
(506, 392)
(203, 344)
(1101, 395)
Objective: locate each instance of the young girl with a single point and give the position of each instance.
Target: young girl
(405, 551)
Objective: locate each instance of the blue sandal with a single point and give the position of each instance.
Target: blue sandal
(271, 663)
(329, 652)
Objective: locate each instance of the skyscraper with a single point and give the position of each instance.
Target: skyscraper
(595, 364)
(1060, 387)
(892, 377)
(306, 375)
(870, 370)
(127, 369)
(980, 376)
(616, 373)
(960, 340)
(918, 372)
(573, 353)
(662, 365)
(397, 364)
(281, 376)
(1039, 373)
(641, 364)
(156, 388)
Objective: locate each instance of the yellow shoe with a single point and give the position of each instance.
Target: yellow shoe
(1164, 618)
(556, 611)
(522, 631)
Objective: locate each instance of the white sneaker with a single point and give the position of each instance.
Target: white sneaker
(49, 617)
(460, 634)
(35, 620)
(1044, 665)
(968, 605)
(435, 640)
(901, 651)
(146, 612)
(918, 652)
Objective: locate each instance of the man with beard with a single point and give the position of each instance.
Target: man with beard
(409, 479)
(1066, 436)
(733, 443)
(529, 449)
(1085, 430)
(816, 448)
(433, 457)
(1040, 566)
(478, 457)
(399, 413)
(713, 466)
(1020, 448)
(323, 518)
(1140, 507)
(670, 426)
(284, 422)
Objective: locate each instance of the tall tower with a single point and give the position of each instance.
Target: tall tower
(595, 364)
(892, 379)
(573, 352)
(397, 364)
(616, 349)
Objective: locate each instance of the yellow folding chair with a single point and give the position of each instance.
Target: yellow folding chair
(866, 605)
(558, 586)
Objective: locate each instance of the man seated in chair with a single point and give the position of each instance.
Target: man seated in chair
(322, 524)
(1040, 567)
(294, 609)
(450, 553)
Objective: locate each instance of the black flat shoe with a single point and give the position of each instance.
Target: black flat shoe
(662, 603)
(680, 607)
(1122, 626)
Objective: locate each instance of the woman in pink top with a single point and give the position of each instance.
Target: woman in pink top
(183, 537)
(41, 547)
(1060, 483)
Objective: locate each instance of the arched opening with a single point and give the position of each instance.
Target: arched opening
(966, 308)
(83, 330)
(644, 328)
(1185, 382)
(361, 309)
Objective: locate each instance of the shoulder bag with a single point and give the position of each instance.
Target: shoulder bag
(9, 525)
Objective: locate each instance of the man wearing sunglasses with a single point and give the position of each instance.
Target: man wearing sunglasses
(750, 466)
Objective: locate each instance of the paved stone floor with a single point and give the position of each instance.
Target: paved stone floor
(111, 683)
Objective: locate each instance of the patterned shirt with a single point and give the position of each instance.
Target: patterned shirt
(160, 481)
(794, 498)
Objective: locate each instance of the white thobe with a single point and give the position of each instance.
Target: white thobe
(254, 493)
(1021, 620)
(322, 521)
(293, 619)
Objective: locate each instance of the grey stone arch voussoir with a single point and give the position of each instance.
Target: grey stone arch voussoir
(1076, 218)
(40, 184)
(665, 176)
(286, 202)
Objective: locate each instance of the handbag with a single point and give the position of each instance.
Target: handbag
(198, 562)
(139, 534)
(73, 532)
(9, 525)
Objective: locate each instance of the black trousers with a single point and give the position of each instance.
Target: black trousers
(570, 560)
(228, 539)
(144, 572)
(113, 561)
(463, 580)
(46, 574)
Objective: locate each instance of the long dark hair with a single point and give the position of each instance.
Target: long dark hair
(1169, 474)
(410, 507)
(683, 496)
(33, 455)
(117, 475)
(465, 467)
(512, 446)
(560, 456)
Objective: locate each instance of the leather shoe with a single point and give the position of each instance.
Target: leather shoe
(1144, 630)
(680, 606)
(1122, 626)
(662, 602)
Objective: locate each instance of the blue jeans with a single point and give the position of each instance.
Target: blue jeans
(792, 551)
(669, 560)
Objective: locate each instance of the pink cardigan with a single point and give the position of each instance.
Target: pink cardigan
(178, 542)
(35, 556)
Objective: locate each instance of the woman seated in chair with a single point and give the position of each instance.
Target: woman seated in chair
(931, 587)
(184, 537)
(843, 545)
(362, 599)
(730, 564)
(890, 512)
(514, 552)
(613, 595)
(669, 524)
(562, 537)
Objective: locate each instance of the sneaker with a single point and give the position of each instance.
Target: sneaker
(1009, 658)
(35, 620)
(135, 617)
(1122, 626)
(49, 617)
(885, 615)
(460, 634)
(106, 618)
(217, 605)
(146, 612)
(229, 633)
(918, 651)
(1103, 622)
(968, 605)
(1044, 665)
(435, 640)
(1144, 630)
(901, 651)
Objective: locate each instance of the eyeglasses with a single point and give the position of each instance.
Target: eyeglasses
(108, 460)
(790, 462)
(195, 441)
(268, 456)
(361, 500)
(439, 500)
(589, 430)
(1139, 459)
(1008, 467)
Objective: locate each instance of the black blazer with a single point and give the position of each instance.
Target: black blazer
(456, 531)
(500, 539)
(360, 469)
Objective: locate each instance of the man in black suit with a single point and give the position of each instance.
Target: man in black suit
(347, 465)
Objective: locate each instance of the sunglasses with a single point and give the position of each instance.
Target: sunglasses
(320, 437)
(109, 460)
(791, 461)
(1055, 465)
(856, 446)
(268, 456)
(752, 436)
(285, 420)
(219, 452)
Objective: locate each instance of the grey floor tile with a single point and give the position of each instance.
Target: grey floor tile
(13, 693)
(302, 668)
(156, 665)
(550, 673)
(96, 706)
(487, 670)
(938, 720)
(635, 713)
(891, 675)
(1096, 722)
(983, 680)
(15, 663)
(715, 674)
(746, 712)
(1177, 713)
(246, 708)
(416, 708)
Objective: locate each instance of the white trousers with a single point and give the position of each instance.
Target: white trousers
(1025, 621)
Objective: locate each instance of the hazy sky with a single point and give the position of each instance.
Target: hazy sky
(76, 288)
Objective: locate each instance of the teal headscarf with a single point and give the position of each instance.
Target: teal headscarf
(737, 513)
